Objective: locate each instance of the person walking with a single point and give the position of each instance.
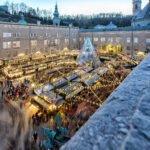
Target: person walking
(35, 135)
(2, 93)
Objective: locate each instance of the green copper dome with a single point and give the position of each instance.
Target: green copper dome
(22, 19)
(56, 13)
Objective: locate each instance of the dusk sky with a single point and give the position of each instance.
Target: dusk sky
(82, 6)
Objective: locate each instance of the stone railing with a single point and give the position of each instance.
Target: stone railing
(123, 121)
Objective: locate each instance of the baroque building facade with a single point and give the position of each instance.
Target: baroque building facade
(131, 41)
(27, 38)
(141, 17)
(16, 38)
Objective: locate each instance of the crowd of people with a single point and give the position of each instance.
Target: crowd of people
(10, 92)
(75, 112)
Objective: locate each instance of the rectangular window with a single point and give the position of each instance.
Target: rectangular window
(128, 40)
(135, 40)
(128, 48)
(57, 35)
(56, 41)
(16, 44)
(46, 34)
(66, 41)
(74, 40)
(95, 39)
(16, 35)
(46, 42)
(110, 39)
(103, 39)
(6, 35)
(118, 39)
(66, 34)
(6, 45)
(33, 42)
(33, 35)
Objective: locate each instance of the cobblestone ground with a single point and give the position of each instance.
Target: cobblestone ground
(123, 121)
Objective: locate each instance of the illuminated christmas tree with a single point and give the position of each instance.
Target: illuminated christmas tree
(88, 55)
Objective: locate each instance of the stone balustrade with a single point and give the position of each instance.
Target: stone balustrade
(123, 121)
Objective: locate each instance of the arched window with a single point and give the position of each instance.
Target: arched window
(136, 6)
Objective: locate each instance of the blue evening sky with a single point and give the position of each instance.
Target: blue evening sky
(82, 6)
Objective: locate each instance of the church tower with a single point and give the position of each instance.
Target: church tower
(56, 19)
(137, 4)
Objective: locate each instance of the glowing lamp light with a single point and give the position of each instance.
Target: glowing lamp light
(36, 97)
(21, 55)
(32, 85)
(38, 53)
(52, 107)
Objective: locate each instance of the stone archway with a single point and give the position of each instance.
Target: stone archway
(103, 47)
(119, 48)
(110, 48)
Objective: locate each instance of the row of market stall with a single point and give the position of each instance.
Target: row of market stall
(29, 68)
(39, 56)
(52, 95)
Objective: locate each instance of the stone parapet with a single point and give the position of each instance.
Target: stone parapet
(123, 121)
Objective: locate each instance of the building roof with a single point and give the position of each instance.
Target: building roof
(130, 28)
(56, 13)
(99, 26)
(145, 13)
(111, 25)
(22, 19)
(4, 8)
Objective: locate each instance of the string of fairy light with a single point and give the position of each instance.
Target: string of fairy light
(62, 55)
(65, 59)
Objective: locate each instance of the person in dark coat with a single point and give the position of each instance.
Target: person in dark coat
(35, 135)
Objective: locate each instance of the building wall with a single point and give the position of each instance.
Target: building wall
(137, 4)
(18, 38)
(32, 38)
(122, 122)
(131, 41)
(141, 22)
